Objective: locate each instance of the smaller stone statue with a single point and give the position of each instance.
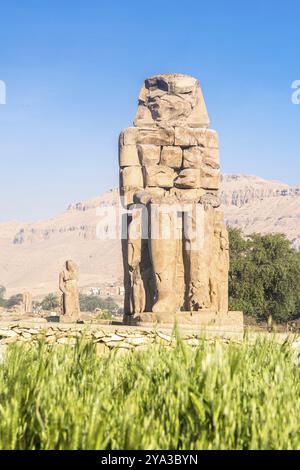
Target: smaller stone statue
(68, 284)
(27, 302)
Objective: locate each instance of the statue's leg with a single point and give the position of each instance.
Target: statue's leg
(163, 255)
(137, 291)
(147, 276)
(127, 280)
(220, 267)
(197, 251)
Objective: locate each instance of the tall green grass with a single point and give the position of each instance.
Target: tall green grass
(218, 396)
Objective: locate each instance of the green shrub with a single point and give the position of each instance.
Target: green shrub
(105, 315)
(13, 301)
(89, 303)
(50, 302)
(264, 276)
(2, 292)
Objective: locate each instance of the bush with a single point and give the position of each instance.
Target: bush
(2, 292)
(264, 276)
(105, 315)
(50, 302)
(89, 303)
(13, 301)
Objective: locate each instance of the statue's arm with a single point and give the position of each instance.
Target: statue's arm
(62, 282)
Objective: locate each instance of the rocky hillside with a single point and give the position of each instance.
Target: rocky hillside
(31, 255)
(258, 205)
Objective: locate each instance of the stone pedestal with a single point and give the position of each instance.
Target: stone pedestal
(228, 325)
(67, 319)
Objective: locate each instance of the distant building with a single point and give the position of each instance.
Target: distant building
(106, 291)
(94, 291)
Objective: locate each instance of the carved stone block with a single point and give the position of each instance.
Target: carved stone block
(193, 157)
(156, 136)
(187, 137)
(151, 136)
(128, 155)
(132, 176)
(211, 158)
(187, 195)
(159, 176)
(149, 154)
(210, 177)
(171, 156)
(189, 179)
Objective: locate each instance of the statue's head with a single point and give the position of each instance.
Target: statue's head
(71, 267)
(171, 100)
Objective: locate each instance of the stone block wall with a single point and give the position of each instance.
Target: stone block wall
(106, 337)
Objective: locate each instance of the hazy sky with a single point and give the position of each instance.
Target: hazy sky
(73, 70)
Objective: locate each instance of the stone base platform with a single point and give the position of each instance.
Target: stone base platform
(230, 325)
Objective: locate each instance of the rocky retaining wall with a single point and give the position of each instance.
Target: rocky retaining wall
(106, 337)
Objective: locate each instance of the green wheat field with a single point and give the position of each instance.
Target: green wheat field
(218, 396)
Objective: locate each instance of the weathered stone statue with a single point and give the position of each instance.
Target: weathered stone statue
(175, 254)
(68, 284)
(27, 302)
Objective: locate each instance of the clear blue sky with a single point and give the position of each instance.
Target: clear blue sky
(73, 70)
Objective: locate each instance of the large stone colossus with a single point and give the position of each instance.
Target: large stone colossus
(176, 253)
